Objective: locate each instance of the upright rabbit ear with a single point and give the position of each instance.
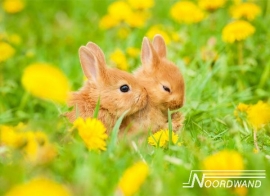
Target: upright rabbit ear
(91, 65)
(149, 56)
(159, 45)
(95, 49)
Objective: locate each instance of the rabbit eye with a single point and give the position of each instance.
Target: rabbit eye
(124, 88)
(166, 89)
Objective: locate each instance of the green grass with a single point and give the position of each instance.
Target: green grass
(54, 30)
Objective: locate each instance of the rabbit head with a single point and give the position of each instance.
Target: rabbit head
(117, 90)
(161, 77)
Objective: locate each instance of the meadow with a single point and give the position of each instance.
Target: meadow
(222, 50)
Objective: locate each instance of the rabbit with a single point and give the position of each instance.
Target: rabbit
(165, 87)
(118, 90)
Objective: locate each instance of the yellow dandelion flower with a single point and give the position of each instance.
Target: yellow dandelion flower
(37, 148)
(211, 5)
(13, 6)
(133, 52)
(237, 31)
(93, 133)
(133, 178)
(31, 148)
(119, 10)
(258, 115)
(245, 10)
(108, 22)
(119, 59)
(242, 107)
(6, 51)
(46, 82)
(141, 4)
(39, 187)
(240, 191)
(137, 19)
(240, 110)
(186, 12)
(10, 137)
(161, 138)
(224, 160)
(157, 29)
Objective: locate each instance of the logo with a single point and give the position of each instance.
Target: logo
(225, 178)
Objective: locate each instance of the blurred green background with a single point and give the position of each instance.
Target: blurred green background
(216, 82)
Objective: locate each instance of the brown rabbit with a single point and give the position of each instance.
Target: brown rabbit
(165, 87)
(118, 91)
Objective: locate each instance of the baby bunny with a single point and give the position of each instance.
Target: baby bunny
(165, 87)
(117, 90)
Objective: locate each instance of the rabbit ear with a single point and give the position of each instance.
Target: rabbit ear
(95, 49)
(91, 65)
(149, 56)
(159, 45)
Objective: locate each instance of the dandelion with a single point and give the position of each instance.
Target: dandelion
(211, 5)
(161, 138)
(10, 137)
(258, 115)
(108, 22)
(141, 4)
(6, 51)
(237, 31)
(39, 187)
(137, 19)
(54, 83)
(93, 133)
(240, 110)
(119, 59)
(240, 191)
(13, 6)
(245, 10)
(133, 178)
(37, 148)
(34, 145)
(133, 52)
(158, 29)
(224, 160)
(119, 10)
(186, 12)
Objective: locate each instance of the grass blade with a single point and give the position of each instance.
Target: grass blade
(170, 127)
(115, 131)
(95, 115)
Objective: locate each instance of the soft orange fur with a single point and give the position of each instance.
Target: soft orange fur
(155, 72)
(104, 83)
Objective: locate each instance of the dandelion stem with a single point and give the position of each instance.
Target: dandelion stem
(255, 140)
(240, 52)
